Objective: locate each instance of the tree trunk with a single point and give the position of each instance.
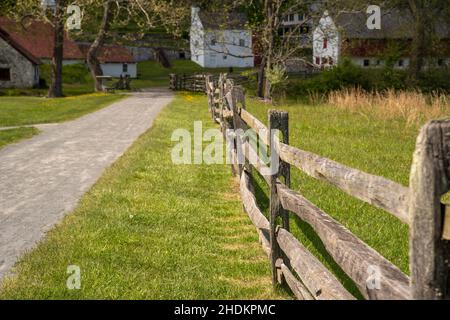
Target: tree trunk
(261, 78)
(418, 45)
(55, 90)
(92, 60)
(270, 39)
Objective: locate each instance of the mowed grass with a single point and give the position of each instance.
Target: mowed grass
(372, 145)
(16, 111)
(150, 229)
(15, 135)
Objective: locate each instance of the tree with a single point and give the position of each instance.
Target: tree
(55, 89)
(22, 10)
(143, 15)
(426, 15)
(92, 55)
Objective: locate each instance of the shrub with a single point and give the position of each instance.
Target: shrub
(72, 74)
(347, 76)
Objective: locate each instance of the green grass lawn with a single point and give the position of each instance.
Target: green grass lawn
(16, 111)
(378, 147)
(15, 135)
(150, 229)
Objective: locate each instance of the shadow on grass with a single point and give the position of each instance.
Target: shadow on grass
(307, 232)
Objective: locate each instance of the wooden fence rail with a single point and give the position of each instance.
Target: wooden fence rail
(419, 206)
(197, 82)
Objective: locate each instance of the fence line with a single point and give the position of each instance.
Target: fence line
(197, 82)
(419, 206)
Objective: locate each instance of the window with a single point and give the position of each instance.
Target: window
(378, 62)
(213, 42)
(301, 17)
(325, 43)
(291, 17)
(400, 63)
(5, 74)
(182, 55)
(125, 67)
(324, 60)
(330, 61)
(242, 42)
(440, 62)
(317, 60)
(225, 57)
(366, 62)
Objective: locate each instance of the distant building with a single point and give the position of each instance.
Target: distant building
(115, 61)
(18, 67)
(347, 35)
(297, 26)
(37, 38)
(220, 41)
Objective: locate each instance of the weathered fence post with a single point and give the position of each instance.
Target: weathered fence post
(278, 120)
(173, 81)
(429, 180)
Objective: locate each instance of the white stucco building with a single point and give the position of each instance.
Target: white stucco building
(347, 35)
(220, 41)
(326, 42)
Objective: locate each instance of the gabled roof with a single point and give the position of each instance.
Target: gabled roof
(110, 54)
(8, 39)
(395, 24)
(223, 20)
(38, 39)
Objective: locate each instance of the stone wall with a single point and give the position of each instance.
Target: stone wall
(24, 74)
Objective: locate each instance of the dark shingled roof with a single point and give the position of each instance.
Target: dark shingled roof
(223, 20)
(394, 25)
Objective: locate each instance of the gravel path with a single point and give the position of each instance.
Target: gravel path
(42, 179)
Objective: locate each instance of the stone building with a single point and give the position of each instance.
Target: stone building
(18, 67)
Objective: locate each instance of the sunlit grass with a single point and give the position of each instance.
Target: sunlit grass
(150, 229)
(16, 111)
(376, 146)
(15, 135)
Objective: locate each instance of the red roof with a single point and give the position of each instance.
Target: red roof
(38, 39)
(6, 37)
(111, 54)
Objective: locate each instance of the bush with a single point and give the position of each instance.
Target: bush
(72, 74)
(347, 76)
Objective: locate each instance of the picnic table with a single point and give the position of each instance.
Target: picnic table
(123, 83)
(104, 80)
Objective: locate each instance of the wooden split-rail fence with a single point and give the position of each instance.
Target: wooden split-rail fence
(419, 206)
(197, 82)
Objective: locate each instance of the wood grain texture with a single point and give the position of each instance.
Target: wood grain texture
(354, 256)
(256, 125)
(254, 212)
(378, 191)
(429, 180)
(299, 290)
(322, 284)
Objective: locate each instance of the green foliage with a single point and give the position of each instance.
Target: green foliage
(347, 75)
(72, 74)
